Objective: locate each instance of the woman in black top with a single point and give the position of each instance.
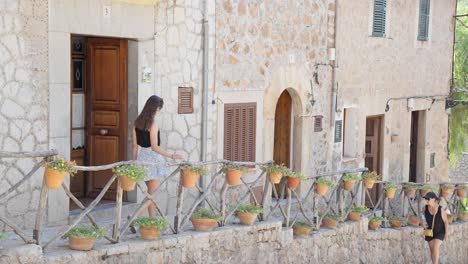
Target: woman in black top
(440, 230)
(146, 144)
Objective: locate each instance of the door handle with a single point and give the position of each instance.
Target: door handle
(103, 131)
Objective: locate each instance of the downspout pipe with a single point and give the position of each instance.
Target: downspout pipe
(333, 79)
(204, 122)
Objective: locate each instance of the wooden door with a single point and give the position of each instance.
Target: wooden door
(282, 145)
(372, 152)
(106, 111)
(413, 146)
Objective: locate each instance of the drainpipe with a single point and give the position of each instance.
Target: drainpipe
(451, 81)
(204, 122)
(333, 64)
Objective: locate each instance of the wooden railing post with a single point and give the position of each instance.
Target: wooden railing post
(180, 202)
(118, 211)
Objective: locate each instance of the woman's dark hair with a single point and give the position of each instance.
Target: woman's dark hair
(145, 120)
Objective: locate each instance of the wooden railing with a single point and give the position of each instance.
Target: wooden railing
(307, 204)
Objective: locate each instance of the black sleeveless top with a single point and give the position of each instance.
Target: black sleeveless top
(439, 226)
(143, 138)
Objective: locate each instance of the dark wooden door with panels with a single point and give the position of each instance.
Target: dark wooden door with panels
(98, 111)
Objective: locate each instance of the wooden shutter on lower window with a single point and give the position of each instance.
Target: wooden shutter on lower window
(423, 25)
(185, 100)
(379, 18)
(240, 131)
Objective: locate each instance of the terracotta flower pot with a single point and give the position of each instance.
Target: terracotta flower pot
(233, 177)
(348, 185)
(301, 231)
(374, 225)
(54, 178)
(461, 193)
(275, 177)
(329, 223)
(369, 183)
(293, 183)
(462, 216)
(390, 193)
(396, 224)
(80, 243)
(353, 216)
(321, 189)
(247, 218)
(445, 193)
(189, 178)
(410, 192)
(203, 224)
(127, 183)
(423, 192)
(450, 219)
(414, 220)
(149, 233)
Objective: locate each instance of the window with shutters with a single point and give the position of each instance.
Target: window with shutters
(185, 100)
(423, 25)
(380, 12)
(240, 131)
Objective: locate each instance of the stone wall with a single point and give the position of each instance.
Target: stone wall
(267, 242)
(460, 172)
(24, 103)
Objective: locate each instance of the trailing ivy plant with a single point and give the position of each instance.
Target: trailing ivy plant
(249, 208)
(60, 164)
(159, 223)
(86, 231)
(133, 172)
(205, 213)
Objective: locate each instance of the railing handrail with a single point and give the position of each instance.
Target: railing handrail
(28, 154)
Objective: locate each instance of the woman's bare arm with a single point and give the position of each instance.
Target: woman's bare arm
(134, 145)
(154, 144)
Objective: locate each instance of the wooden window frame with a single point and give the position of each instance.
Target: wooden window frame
(184, 106)
(240, 131)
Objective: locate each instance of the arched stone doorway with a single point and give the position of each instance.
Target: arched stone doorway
(283, 130)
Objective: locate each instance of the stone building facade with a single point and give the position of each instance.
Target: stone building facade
(256, 51)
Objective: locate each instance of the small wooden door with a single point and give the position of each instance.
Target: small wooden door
(282, 145)
(372, 150)
(414, 146)
(106, 111)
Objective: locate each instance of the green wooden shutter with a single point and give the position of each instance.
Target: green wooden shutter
(380, 10)
(423, 26)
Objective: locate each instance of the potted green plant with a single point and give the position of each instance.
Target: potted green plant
(423, 190)
(414, 220)
(322, 185)
(446, 190)
(349, 180)
(461, 190)
(369, 179)
(397, 221)
(294, 178)
(204, 219)
(233, 173)
(355, 212)
(390, 190)
(331, 220)
(301, 228)
(375, 222)
(150, 227)
(82, 237)
(247, 213)
(275, 172)
(410, 190)
(56, 170)
(130, 175)
(190, 175)
(463, 210)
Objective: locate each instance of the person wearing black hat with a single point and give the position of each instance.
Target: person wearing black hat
(433, 212)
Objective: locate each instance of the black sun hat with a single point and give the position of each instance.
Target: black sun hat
(430, 195)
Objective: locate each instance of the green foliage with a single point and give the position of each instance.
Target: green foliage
(334, 217)
(370, 176)
(325, 182)
(160, 223)
(464, 205)
(397, 218)
(275, 168)
(249, 208)
(378, 219)
(60, 164)
(302, 224)
(410, 186)
(2, 236)
(358, 209)
(205, 213)
(389, 186)
(234, 167)
(458, 121)
(351, 177)
(293, 174)
(461, 187)
(428, 187)
(200, 170)
(86, 231)
(133, 172)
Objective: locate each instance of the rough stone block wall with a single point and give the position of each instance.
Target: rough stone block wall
(460, 172)
(23, 103)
